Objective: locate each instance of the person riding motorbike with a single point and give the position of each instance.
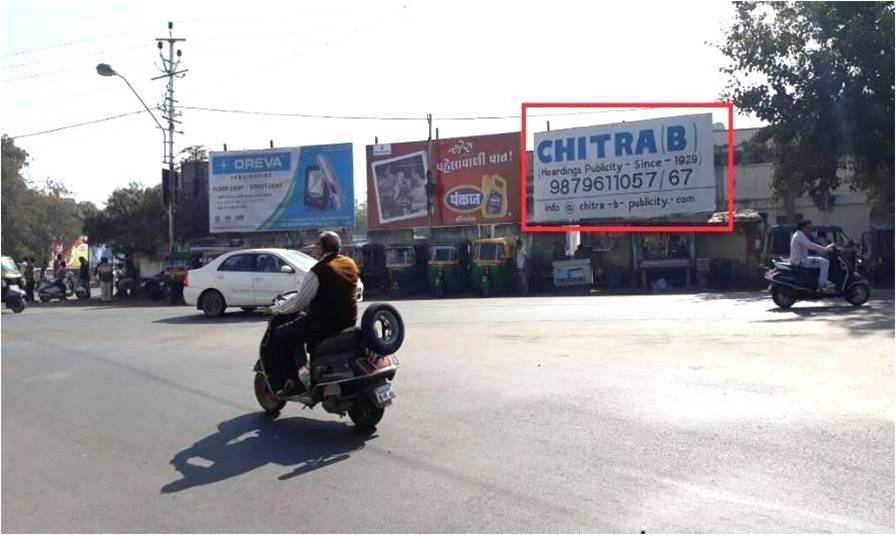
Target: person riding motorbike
(60, 273)
(328, 292)
(800, 245)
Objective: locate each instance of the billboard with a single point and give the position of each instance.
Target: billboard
(476, 180)
(633, 170)
(281, 189)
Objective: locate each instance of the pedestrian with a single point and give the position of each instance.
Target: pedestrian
(105, 276)
(522, 280)
(84, 273)
(28, 275)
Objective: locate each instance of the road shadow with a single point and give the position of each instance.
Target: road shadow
(878, 316)
(200, 318)
(254, 440)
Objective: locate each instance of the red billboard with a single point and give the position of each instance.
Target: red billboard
(476, 181)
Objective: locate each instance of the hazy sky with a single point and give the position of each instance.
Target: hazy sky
(451, 58)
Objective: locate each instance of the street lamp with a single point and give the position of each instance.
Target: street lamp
(104, 69)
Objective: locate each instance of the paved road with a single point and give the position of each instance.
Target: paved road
(662, 413)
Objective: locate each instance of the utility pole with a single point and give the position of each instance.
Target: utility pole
(170, 71)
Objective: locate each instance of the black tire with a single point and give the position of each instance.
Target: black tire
(268, 401)
(248, 309)
(857, 294)
(212, 304)
(154, 292)
(44, 299)
(383, 328)
(364, 414)
(82, 293)
(783, 297)
(17, 305)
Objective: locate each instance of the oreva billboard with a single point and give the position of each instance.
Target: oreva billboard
(633, 170)
(476, 180)
(281, 189)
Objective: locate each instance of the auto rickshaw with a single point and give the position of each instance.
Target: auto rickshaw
(406, 265)
(448, 269)
(493, 268)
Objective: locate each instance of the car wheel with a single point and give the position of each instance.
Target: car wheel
(212, 304)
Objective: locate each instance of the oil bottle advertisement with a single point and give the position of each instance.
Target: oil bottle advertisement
(281, 189)
(476, 181)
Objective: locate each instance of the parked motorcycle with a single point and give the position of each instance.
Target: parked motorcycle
(47, 289)
(348, 373)
(12, 293)
(790, 284)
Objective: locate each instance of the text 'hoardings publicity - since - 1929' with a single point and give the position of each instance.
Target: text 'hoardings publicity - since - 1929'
(639, 169)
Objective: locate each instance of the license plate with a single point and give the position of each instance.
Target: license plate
(384, 393)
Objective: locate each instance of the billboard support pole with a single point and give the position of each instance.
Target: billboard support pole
(429, 182)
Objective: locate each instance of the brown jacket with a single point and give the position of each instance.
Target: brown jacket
(335, 306)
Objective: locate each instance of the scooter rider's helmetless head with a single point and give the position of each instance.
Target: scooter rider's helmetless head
(327, 242)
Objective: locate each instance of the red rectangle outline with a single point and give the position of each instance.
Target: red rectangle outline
(729, 227)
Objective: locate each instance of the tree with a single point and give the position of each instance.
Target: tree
(821, 75)
(134, 219)
(191, 212)
(360, 216)
(33, 219)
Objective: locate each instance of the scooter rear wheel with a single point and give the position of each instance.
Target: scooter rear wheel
(17, 306)
(364, 414)
(857, 295)
(783, 297)
(267, 399)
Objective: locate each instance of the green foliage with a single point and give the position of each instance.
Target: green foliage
(133, 220)
(821, 75)
(33, 219)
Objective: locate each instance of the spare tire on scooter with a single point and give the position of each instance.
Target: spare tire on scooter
(382, 328)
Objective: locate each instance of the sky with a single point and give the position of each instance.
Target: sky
(388, 58)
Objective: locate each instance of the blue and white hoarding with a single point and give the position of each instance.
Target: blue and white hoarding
(633, 170)
(291, 188)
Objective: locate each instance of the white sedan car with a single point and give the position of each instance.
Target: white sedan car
(247, 279)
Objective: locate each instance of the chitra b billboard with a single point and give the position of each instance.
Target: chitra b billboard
(281, 189)
(633, 170)
(476, 180)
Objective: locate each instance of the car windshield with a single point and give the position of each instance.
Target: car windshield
(299, 259)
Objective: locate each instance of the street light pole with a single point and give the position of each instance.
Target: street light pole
(104, 69)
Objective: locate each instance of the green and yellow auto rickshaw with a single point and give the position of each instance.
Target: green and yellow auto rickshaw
(406, 265)
(493, 267)
(448, 269)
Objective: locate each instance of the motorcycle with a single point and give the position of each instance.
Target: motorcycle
(47, 289)
(349, 373)
(790, 284)
(12, 292)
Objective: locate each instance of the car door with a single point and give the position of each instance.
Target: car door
(234, 278)
(269, 280)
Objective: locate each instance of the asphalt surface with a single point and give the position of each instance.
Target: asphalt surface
(693, 413)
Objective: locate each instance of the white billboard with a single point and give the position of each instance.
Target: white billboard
(632, 170)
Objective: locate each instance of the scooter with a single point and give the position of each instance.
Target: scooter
(790, 284)
(349, 373)
(13, 294)
(47, 290)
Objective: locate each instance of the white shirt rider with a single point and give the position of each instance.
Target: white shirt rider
(800, 245)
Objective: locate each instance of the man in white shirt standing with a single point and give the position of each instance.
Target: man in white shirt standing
(800, 245)
(522, 281)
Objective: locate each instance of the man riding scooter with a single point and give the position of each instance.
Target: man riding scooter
(800, 245)
(328, 291)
